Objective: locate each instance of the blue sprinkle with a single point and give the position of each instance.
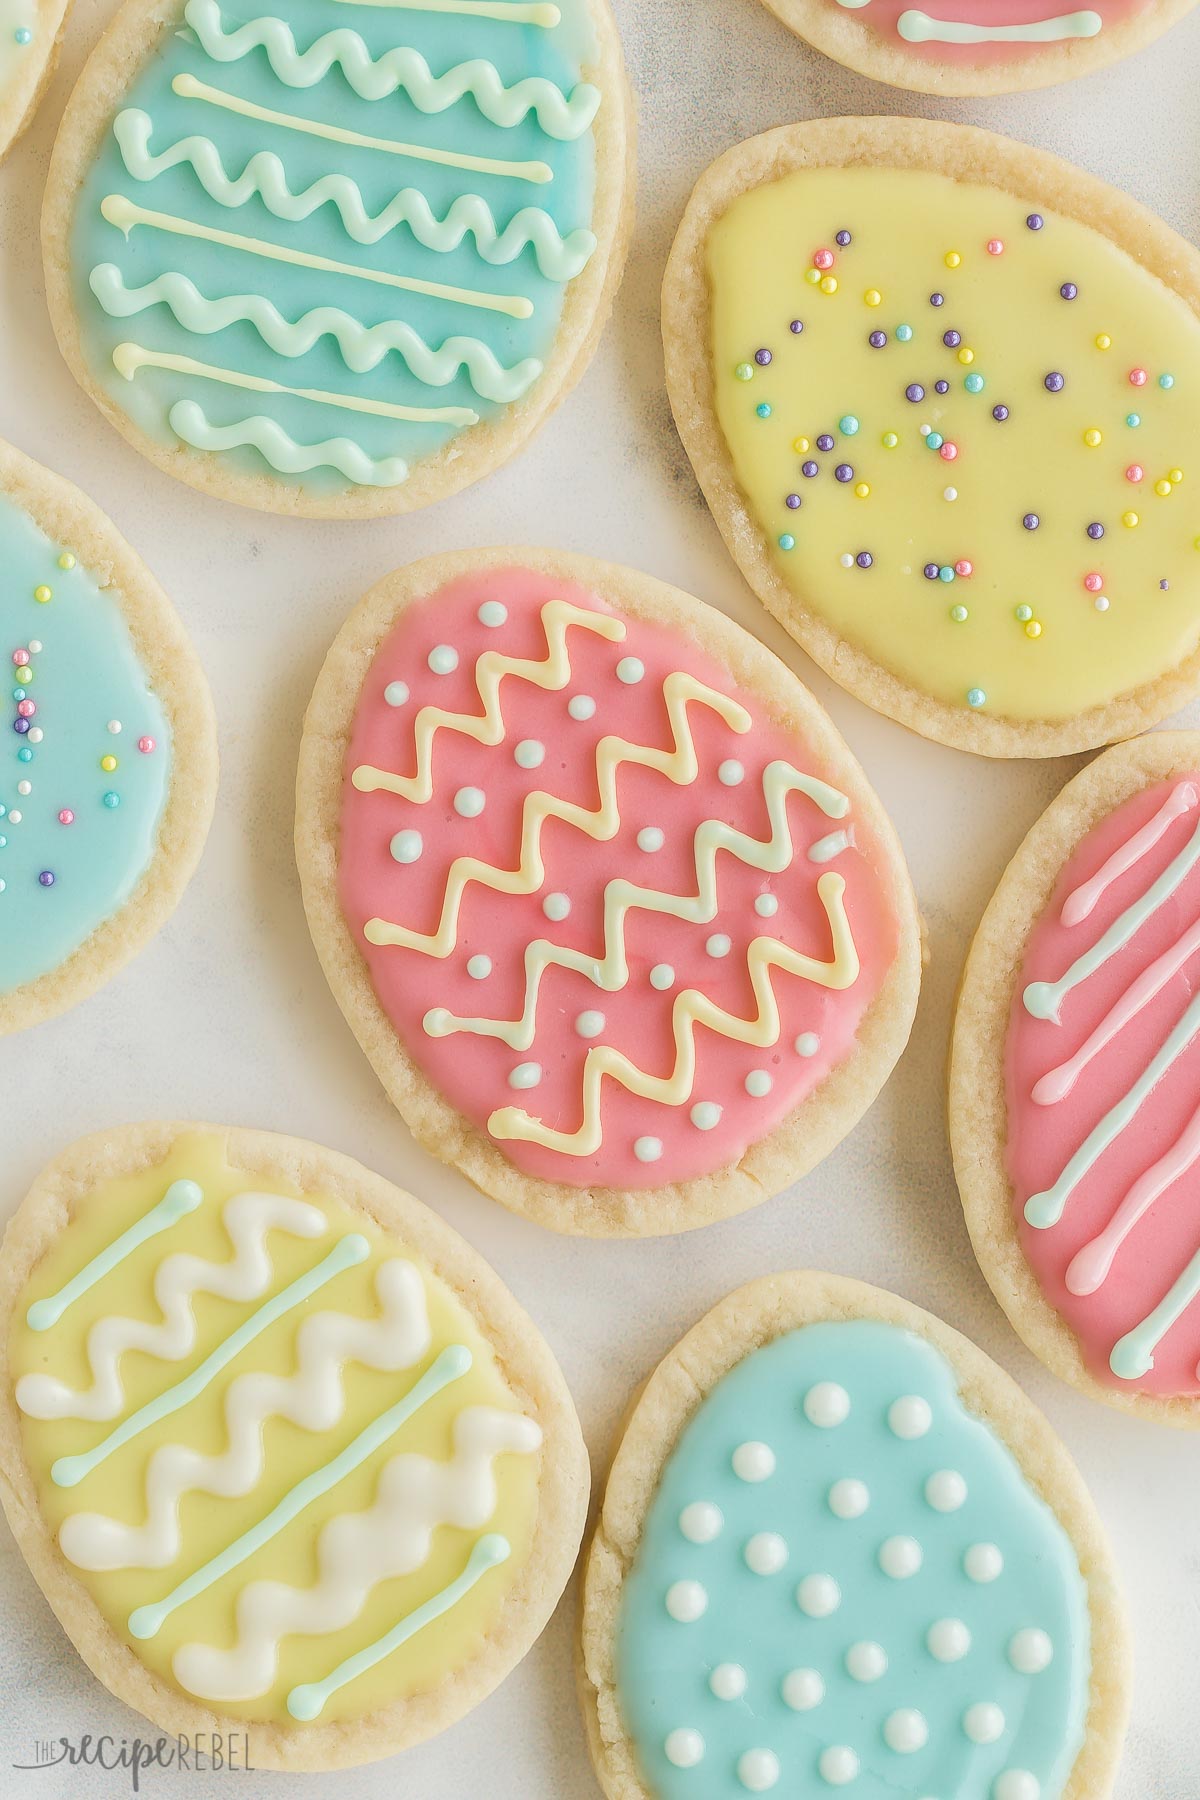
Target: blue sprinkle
(976, 697)
(763, 410)
(787, 541)
(904, 333)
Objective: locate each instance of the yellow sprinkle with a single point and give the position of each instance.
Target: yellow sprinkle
(1033, 629)
(800, 445)
(952, 259)
(66, 560)
(812, 276)
(108, 764)
(1175, 476)
(1093, 437)
(873, 297)
(42, 594)
(965, 355)
(1104, 342)
(862, 489)
(1162, 488)
(890, 440)
(829, 284)
(1130, 519)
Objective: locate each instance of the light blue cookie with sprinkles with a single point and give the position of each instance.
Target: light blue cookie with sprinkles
(338, 257)
(840, 1550)
(108, 761)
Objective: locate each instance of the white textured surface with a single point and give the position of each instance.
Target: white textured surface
(227, 1016)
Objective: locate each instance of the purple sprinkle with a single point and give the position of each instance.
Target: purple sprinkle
(844, 472)
(842, 238)
(792, 500)
(1095, 529)
(47, 878)
(1031, 521)
(864, 559)
(1068, 290)
(1035, 221)
(824, 442)
(1055, 383)
(877, 340)
(952, 339)
(796, 327)
(931, 571)
(941, 387)
(937, 299)
(1164, 585)
(21, 725)
(810, 469)
(762, 358)
(1000, 413)
(914, 392)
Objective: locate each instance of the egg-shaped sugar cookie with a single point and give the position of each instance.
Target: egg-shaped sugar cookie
(30, 32)
(108, 760)
(840, 1549)
(1075, 1082)
(338, 257)
(286, 1458)
(939, 391)
(606, 900)
(978, 46)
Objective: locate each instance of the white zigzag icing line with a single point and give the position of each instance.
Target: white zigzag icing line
(362, 347)
(313, 1397)
(247, 1218)
(559, 258)
(356, 1551)
(190, 422)
(560, 116)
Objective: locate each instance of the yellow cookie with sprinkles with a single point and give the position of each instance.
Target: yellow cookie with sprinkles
(939, 391)
(285, 1456)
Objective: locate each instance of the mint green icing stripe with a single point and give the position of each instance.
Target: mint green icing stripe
(453, 1362)
(1133, 1355)
(353, 1248)
(181, 1198)
(189, 421)
(306, 1701)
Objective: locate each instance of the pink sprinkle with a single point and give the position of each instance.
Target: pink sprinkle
(823, 259)
(66, 816)
(1134, 472)
(1137, 377)
(964, 567)
(995, 247)
(146, 745)
(1093, 583)
(25, 709)
(20, 657)
(948, 452)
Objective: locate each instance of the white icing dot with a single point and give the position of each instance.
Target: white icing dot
(556, 906)
(684, 1747)
(909, 1417)
(983, 1723)
(802, 1689)
(395, 693)
(630, 670)
(948, 1640)
(765, 1553)
(469, 802)
(443, 659)
(407, 846)
(827, 1404)
(15, 815)
(1030, 1651)
(701, 1521)
(866, 1661)
(436, 1021)
(945, 1490)
(905, 1730)
(525, 1075)
(590, 1024)
(686, 1601)
(758, 1770)
(766, 906)
(479, 967)
(719, 944)
(758, 1083)
(1016, 1784)
(705, 1114)
(114, 725)
(807, 1044)
(581, 706)
(25, 787)
(838, 1765)
(728, 1681)
(818, 1596)
(662, 975)
(529, 754)
(492, 612)
(650, 838)
(849, 1498)
(731, 772)
(983, 1562)
(900, 1557)
(753, 1461)
(647, 1149)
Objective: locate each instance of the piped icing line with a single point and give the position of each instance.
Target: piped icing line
(561, 116)
(692, 1008)
(312, 1398)
(1090, 1266)
(125, 214)
(559, 257)
(1046, 1208)
(916, 27)
(129, 358)
(309, 1699)
(1042, 999)
(189, 88)
(611, 972)
(353, 1248)
(278, 447)
(505, 12)
(449, 1366)
(826, 848)
(181, 1198)
(362, 347)
(247, 1219)
(357, 1551)
(1081, 901)
(1057, 1083)
(1133, 1355)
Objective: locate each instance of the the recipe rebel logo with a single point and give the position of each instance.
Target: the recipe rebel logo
(205, 1753)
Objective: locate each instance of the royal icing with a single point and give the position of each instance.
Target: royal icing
(844, 1580)
(1103, 1085)
(85, 768)
(329, 242)
(271, 1442)
(579, 962)
(986, 32)
(961, 424)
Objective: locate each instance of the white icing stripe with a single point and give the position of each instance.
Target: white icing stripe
(826, 848)
(559, 258)
(1090, 1266)
(356, 1551)
(506, 12)
(917, 27)
(312, 1398)
(362, 347)
(277, 447)
(247, 1219)
(1081, 901)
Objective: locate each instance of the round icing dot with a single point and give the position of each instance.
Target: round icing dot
(719, 944)
(730, 772)
(905, 1730)
(479, 967)
(684, 1747)
(807, 1044)
(866, 1661)
(758, 1083)
(758, 1770)
(1016, 1784)
(983, 1562)
(948, 1640)
(838, 1765)
(556, 906)
(406, 846)
(827, 1403)
(765, 1553)
(727, 1681)
(701, 1521)
(945, 1490)
(983, 1722)
(650, 838)
(630, 670)
(819, 1596)
(647, 1149)
(443, 659)
(849, 1498)
(909, 1417)
(662, 976)
(1030, 1651)
(395, 693)
(469, 802)
(529, 754)
(753, 1461)
(900, 1557)
(802, 1689)
(581, 706)
(589, 1024)
(766, 906)
(525, 1075)
(492, 612)
(686, 1601)
(705, 1114)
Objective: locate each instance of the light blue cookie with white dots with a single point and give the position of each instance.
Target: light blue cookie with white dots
(840, 1551)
